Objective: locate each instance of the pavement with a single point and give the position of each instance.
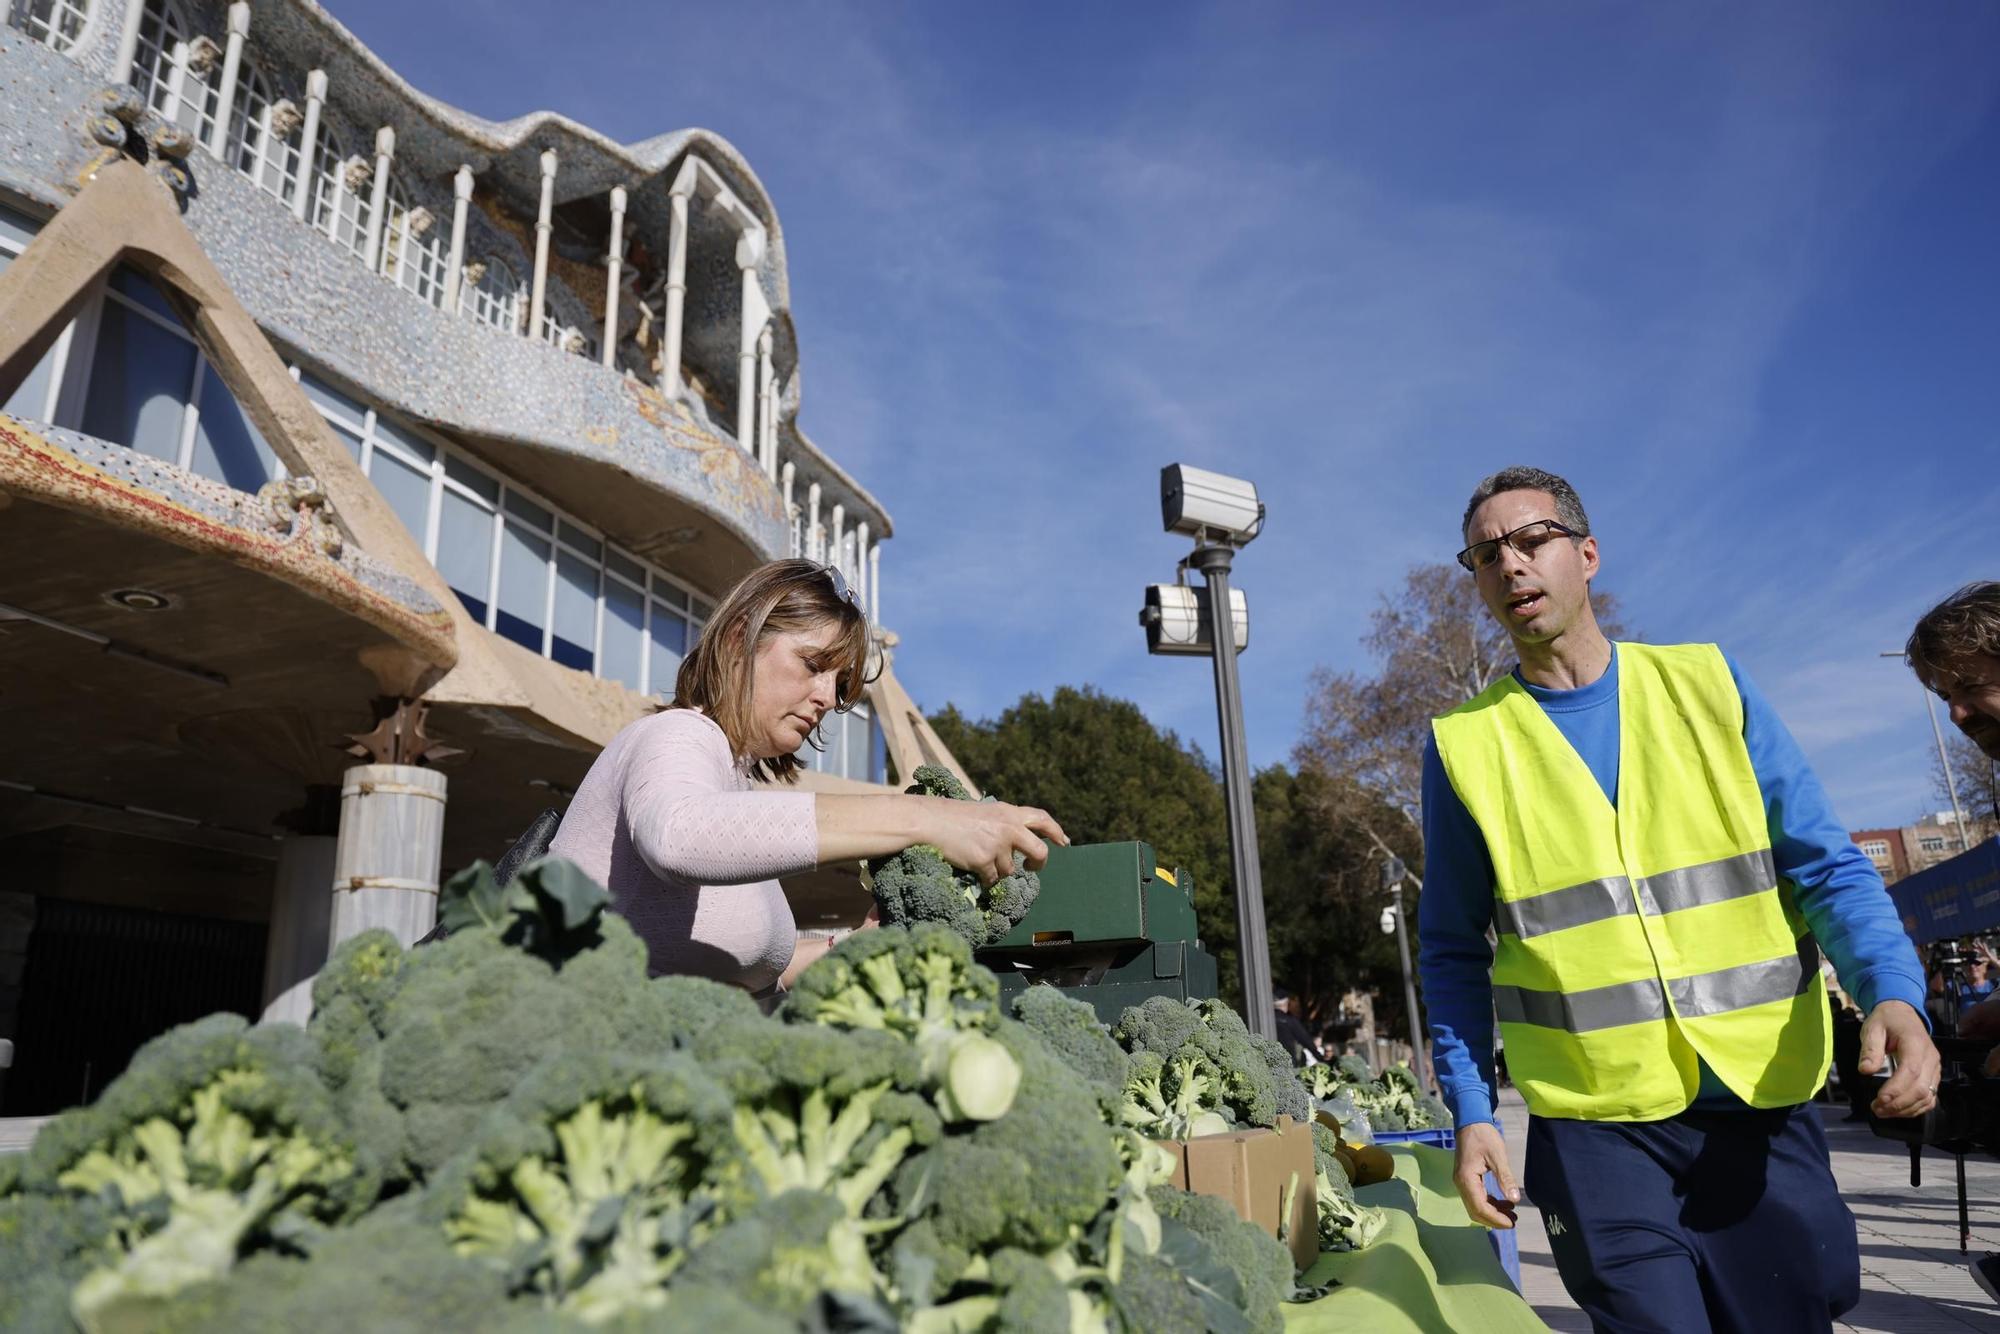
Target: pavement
(1913, 1280)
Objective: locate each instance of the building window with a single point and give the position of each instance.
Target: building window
(496, 298)
(1931, 843)
(54, 23)
(37, 395)
(523, 569)
(557, 334)
(336, 210)
(1875, 849)
(851, 746)
(157, 65)
(412, 260)
(271, 162)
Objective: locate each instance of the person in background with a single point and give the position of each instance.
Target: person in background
(1656, 861)
(1292, 1032)
(668, 819)
(1978, 983)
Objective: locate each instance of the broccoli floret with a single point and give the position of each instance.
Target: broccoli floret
(1152, 1294)
(1354, 1070)
(217, 1141)
(786, 1252)
(1162, 1026)
(1259, 1262)
(816, 1108)
(47, 1243)
(1292, 1098)
(1072, 1031)
(919, 885)
(1049, 1182)
(690, 1006)
(389, 1274)
(921, 985)
(1177, 1098)
(924, 1265)
(1344, 1223)
(586, 1186)
(1322, 1081)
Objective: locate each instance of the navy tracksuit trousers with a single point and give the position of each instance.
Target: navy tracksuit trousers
(1708, 1221)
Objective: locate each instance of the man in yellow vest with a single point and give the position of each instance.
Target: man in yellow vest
(1628, 861)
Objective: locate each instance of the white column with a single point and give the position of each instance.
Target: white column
(301, 916)
(232, 67)
(385, 867)
(875, 584)
(454, 269)
(378, 198)
(812, 522)
(677, 262)
(613, 274)
(749, 251)
(858, 575)
(787, 478)
(128, 42)
(835, 556)
(309, 142)
(767, 420)
(538, 294)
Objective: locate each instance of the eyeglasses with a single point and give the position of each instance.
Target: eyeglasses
(1526, 541)
(840, 588)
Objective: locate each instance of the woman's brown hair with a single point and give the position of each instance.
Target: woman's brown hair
(783, 597)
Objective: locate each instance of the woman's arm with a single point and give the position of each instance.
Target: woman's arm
(977, 836)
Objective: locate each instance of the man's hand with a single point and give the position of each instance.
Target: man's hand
(1894, 1029)
(1481, 1150)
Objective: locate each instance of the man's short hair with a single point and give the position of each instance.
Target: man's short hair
(1569, 509)
(1964, 625)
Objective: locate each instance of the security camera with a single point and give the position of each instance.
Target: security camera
(1176, 620)
(1197, 502)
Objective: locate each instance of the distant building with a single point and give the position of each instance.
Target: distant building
(365, 465)
(1918, 847)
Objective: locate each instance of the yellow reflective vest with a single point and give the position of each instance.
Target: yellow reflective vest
(1633, 939)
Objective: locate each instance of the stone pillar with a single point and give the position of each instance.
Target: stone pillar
(767, 417)
(378, 199)
(749, 251)
(812, 522)
(677, 262)
(538, 294)
(128, 42)
(875, 584)
(301, 917)
(232, 68)
(385, 869)
(835, 553)
(454, 269)
(309, 141)
(858, 576)
(787, 479)
(614, 270)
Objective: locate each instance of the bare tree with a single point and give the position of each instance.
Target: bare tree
(1978, 784)
(1437, 647)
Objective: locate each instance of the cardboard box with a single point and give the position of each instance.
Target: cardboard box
(1252, 1169)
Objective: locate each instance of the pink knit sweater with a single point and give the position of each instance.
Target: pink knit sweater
(668, 821)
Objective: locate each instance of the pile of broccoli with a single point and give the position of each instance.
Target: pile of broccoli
(1363, 1103)
(919, 885)
(516, 1128)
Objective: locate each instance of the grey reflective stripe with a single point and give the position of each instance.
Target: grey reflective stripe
(1669, 891)
(1641, 1002)
(1711, 882)
(1560, 909)
(1582, 1011)
(1747, 984)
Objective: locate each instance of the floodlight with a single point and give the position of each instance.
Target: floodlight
(1176, 620)
(1198, 502)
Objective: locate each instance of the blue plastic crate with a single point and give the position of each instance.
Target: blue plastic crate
(1505, 1244)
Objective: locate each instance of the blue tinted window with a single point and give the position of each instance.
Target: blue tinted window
(139, 384)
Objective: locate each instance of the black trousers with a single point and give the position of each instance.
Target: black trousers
(1708, 1221)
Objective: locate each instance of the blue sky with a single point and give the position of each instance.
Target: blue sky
(1732, 270)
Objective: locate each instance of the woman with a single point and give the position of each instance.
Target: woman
(668, 821)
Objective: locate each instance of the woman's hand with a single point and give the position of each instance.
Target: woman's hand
(983, 836)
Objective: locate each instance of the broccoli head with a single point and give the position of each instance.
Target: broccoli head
(216, 1142)
(1162, 1025)
(586, 1186)
(1071, 1030)
(786, 1253)
(1260, 1264)
(919, 885)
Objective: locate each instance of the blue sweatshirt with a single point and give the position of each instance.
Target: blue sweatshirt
(1838, 889)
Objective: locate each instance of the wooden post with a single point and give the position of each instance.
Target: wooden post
(385, 870)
